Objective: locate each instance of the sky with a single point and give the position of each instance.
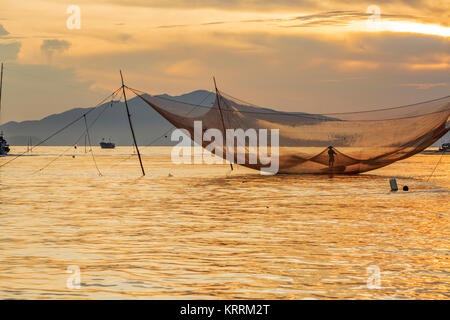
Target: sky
(309, 56)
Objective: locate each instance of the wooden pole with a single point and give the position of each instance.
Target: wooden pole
(221, 117)
(131, 125)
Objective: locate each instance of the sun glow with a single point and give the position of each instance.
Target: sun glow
(412, 27)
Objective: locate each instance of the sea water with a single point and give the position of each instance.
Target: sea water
(204, 232)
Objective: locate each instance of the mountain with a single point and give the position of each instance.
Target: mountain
(113, 123)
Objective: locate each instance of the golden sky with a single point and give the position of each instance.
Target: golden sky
(311, 56)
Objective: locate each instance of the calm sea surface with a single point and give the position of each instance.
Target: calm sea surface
(203, 232)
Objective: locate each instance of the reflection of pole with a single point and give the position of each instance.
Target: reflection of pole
(85, 143)
(131, 125)
(221, 117)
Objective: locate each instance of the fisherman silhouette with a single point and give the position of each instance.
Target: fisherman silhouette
(331, 154)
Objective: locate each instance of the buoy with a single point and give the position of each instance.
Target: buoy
(393, 183)
(405, 188)
(73, 157)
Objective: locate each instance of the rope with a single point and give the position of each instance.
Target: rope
(90, 147)
(165, 133)
(320, 117)
(61, 130)
(48, 164)
(341, 113)
(437, 164)
(85, 133)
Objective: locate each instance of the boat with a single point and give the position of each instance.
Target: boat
(107, 145)
(445, 147)
(4, 146)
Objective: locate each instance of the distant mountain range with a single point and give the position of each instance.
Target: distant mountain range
(113, 124)
(150, 127)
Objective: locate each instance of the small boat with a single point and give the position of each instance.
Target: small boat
(107, 145)
(445, 147)
(4, 146)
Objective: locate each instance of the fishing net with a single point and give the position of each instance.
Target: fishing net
(347, 143)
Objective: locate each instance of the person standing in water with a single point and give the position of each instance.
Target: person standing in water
(331, 154)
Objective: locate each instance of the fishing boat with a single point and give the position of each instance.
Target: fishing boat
(4, 146)
(107, 145)
(445, 147)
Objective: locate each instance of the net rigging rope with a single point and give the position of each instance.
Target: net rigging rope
(166, 132)
(90, 146)
(318, 116)
(232, 119)
(77, 140)
(80, 137)
(437, 164)
(224, 94)
(366, 140)
(63, 128)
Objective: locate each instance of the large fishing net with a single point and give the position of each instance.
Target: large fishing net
(318, 143)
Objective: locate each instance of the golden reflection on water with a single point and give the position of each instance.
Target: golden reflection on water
(206, 233)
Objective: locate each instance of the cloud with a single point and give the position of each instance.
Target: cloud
(9, 51)
(338, 18)
(49, 47)
(290, 72)
(427, 10)
(425, 86)
(256, 4)
(288, 68)
(354, 19)
(35, 91)
(353, 65)
(431, 8)
(3, 31)
(184, 68)
(124, 37)
(229, 4)
(430, 66)
(323, 18)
